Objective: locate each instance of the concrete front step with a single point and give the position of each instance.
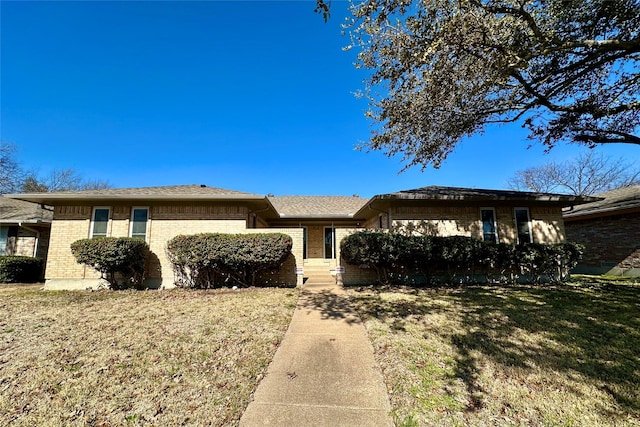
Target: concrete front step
(325, 275)
(320, 281)
(319, 261)
(323, 268)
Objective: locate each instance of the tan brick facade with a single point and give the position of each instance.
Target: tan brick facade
(72, 223)
(546, 222)
(61, 265)
(28, 240)
(169, 218)
(315, 241)
(547, 225)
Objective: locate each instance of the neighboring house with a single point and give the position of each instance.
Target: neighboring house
(24, 228)
(316, 224)
(610, 230)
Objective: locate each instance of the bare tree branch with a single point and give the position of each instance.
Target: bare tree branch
(588, 174)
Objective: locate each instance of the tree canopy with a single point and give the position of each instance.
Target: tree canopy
(567, 70)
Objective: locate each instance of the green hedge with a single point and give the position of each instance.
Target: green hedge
(400, 258)
(112, 256)
(21, 269)
(214, 259)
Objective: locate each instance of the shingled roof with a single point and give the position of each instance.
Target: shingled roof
(612, 202)
(159, 190)
(171, 192)
(17, 211)
(317, 206)
(458, 193)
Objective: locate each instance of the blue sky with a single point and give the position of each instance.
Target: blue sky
(251, 96)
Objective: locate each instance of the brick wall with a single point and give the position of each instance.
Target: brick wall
(440, 221)
(72, 223)
(353, 274)
(612, 243)
(60, 262)
(375, 222)
(25, 242)
(546, 222)
(315, 241)
(27, 239)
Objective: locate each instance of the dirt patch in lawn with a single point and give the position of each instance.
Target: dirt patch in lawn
(523, 355)
(135, 358)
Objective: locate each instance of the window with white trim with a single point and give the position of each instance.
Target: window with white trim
(100, 222)
(139, 221)
(489, 230)
(523, 225)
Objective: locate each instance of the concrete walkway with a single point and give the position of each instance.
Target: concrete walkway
(324, 373)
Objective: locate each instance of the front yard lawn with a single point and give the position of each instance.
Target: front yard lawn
(515, 355)
(135, 358)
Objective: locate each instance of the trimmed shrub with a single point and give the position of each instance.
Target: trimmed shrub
(399, 258)
(21, 269)
(210, 260)
(380, 251)
(111, 256)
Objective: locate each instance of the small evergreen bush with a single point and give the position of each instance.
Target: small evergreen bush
(111, 256)
(21, 269)
(400, 258)
(210, 260)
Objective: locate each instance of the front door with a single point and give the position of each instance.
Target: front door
(329, 242)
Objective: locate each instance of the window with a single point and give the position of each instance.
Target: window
(304, 242)
(489, 233)
(523, 225)
(329, 242)
(4, 238)
(100, 222)
(139, 219)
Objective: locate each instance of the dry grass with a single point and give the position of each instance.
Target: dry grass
(135, 358)
(520, 356)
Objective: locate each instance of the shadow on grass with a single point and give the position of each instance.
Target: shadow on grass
(593, 330)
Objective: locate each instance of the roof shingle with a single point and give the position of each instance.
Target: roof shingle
(459, 193)
(14, 211)
(192, 189)
(317, 206)
(614, 200)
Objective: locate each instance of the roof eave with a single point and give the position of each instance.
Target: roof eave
(524, 197)
(53, 198)
(25, 221)
(617, 210)
(319, 216)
